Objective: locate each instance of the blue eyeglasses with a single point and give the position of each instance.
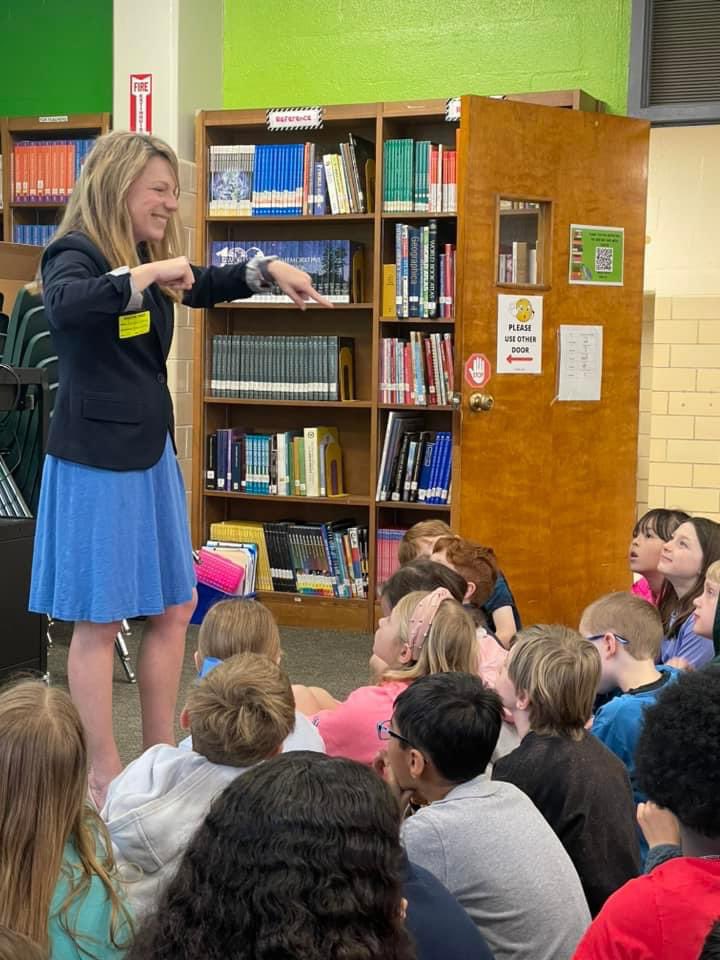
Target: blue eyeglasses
(385, 733)
(599, 636)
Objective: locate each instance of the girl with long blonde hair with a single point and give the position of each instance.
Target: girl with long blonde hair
(112, 538)
(57, 873)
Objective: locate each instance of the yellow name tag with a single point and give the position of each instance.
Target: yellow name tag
(134, 324)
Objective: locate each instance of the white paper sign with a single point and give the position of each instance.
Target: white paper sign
(519, 334)
(295, 118)
(580, 362)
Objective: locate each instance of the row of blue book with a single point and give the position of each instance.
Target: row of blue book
(36, 234)
(336, 267)
(416, 464)
(257, 367)
(290, 179)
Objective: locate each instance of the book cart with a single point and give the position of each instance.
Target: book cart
(48, 174)
(521, 227)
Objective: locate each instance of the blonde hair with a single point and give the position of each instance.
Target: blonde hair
(408, 549)
(43, 789)
(16, 946)
(559, 671)
(98, 203)
(713, 572)
(450, 645)
(238, 626)
(241, 712)
(631, 617)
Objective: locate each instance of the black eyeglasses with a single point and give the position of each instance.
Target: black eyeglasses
(385, 733)
(599, 636)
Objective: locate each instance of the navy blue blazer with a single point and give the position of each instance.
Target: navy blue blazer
(113, 408)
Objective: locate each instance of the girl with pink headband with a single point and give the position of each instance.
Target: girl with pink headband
(426, 632)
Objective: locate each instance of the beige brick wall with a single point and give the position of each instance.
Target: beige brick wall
(180, 360)
(679, 420)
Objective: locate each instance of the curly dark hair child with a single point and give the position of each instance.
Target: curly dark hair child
(298, 857)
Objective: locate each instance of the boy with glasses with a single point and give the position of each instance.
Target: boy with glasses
(627, 631)
(484, 840)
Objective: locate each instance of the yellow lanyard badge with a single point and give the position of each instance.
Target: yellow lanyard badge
(134, 324)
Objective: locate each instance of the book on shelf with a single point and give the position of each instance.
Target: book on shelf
(45, 171)
(35, 234)
(291, 179)
(418, 370)
(280, 367)
(517, 262)
(336, 267)
(424, 273)
(387, 545)
(418, 176)
(245, 555)
(290, 463)
(529, 205)
(316, 559)
(415, 465)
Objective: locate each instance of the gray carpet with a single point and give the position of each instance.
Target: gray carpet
(331, 659)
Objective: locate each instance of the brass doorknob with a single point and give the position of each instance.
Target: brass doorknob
(480, 402)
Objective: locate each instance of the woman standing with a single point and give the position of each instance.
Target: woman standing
(112, 537)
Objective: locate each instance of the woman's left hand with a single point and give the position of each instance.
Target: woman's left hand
(295, 283)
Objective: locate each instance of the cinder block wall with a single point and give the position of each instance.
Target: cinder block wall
(679, 426)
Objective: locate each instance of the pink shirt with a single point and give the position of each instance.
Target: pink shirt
(350, 730)
(641, 588)
(491, 656)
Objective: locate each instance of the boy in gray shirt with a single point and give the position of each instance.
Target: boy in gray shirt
(483, 839)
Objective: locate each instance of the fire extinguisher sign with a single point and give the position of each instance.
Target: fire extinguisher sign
(141, 102)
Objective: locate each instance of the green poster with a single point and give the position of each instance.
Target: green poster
(596, 254)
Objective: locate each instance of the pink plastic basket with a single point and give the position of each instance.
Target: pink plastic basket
(218, 572)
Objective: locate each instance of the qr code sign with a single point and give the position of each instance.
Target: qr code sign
(603, 259)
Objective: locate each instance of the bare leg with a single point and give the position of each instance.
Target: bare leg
(90, 671)
(309, 700)
(159, 668)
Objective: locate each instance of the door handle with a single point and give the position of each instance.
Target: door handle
(481, 402)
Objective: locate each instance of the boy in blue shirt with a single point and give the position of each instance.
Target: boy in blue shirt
(628, 632)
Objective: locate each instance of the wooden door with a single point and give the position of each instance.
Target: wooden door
(551, 485)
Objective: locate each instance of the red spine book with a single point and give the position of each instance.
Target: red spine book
(430, 371)
(449, 364)
(408, 393)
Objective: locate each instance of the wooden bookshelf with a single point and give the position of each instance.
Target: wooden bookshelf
(515, 485)
(13, 129)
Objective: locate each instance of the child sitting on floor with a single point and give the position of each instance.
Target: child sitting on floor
(579, 786)
(425, 633)
(649, 536)
(58, 883)
(668, 913)
(419, 540)
(245, 626)
(683, 562)
(627, 631)
(239, 715)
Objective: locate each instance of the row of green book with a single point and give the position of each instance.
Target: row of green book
(419, 176)
(256, 367)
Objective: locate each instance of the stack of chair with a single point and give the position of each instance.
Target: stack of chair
(27, 343)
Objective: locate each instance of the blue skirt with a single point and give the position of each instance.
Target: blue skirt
(111, 544)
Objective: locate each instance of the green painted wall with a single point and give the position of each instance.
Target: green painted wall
(55, 57)
(296, 52)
